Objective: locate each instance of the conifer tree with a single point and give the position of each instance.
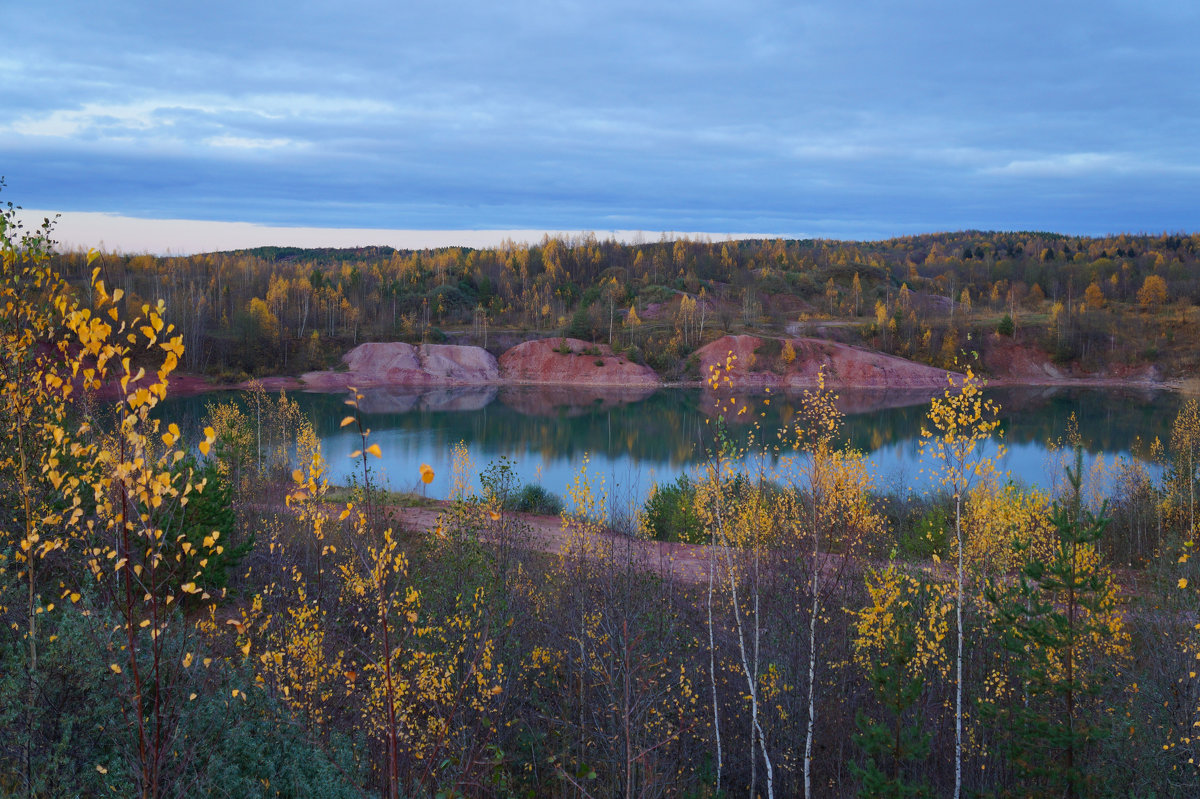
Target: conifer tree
(1055, 620)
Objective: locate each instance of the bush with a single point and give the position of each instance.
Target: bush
(670, 513)
(499, 481)
(927, 536)
(1005, 328)
(533, 498)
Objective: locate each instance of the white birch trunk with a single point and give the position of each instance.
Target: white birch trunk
(958, 691)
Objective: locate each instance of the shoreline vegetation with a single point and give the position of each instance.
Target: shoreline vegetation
(194, 615)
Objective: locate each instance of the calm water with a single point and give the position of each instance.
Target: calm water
(637, 437)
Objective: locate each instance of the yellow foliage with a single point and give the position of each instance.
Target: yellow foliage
(997, 516)
(1153, 292)
(961, 424)
(898, 600)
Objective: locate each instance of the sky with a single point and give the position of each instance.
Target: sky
(143, 122)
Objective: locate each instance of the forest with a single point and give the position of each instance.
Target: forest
(209, 616)
(1095, 302)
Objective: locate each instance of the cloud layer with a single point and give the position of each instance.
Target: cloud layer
(864, 119)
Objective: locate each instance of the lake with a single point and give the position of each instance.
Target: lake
(636, 437)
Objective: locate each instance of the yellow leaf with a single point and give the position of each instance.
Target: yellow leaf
(101, 769)
(187, 660)
(1183, 582)
(426, 473)
(115, 668)
(374, 450)
(347, 420)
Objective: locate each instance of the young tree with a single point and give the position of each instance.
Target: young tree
(1183, 470)
(140, 550)
(1063, 632)
(961, 424)
(899, 639)
(734, 511)
(835, 515)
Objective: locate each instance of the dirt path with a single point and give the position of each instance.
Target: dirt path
(685, 562)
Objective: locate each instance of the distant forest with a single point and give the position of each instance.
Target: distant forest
(286, 310)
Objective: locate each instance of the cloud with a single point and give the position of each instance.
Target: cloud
(1075, 165)
(242, 143)
(873, 117)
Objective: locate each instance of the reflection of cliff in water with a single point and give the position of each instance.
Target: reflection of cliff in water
(571, 400)
(405, 400)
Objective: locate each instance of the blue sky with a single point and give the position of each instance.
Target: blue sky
(850, 119)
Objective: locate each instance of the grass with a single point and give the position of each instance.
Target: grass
(403, 499)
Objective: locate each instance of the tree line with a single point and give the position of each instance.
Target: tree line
(276, 309)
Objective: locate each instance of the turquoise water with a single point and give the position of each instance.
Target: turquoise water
(634, 438)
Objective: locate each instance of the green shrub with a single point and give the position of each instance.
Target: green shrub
(499, 481)
(927, 535)
(533, 498)
(670, 513)
(209, 511)
(1005, 328)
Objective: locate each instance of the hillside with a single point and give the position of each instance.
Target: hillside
(1067, 307)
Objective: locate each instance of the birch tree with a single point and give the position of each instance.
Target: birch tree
(960, 427)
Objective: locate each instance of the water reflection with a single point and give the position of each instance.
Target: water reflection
(637, 435)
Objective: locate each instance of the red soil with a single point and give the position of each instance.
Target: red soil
(542, 362)
(844, 366)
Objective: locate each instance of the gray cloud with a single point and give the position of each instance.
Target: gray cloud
(822, 118)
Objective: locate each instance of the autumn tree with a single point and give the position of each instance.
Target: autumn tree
(734, 511)
(1153, 292)
(38, 438)
(632, 322)
(140, 548)
(788, 353)
(900, 642)
(961, 424)
(835, 516)
(1183, 470)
